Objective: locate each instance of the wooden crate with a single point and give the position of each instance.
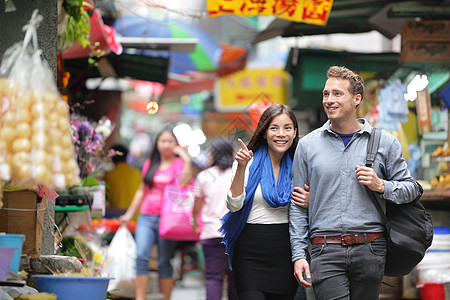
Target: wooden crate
(426, 31)
(425, 52)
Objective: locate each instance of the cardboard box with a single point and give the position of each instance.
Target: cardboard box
(426, 31)
(425, 52)
(21, 214)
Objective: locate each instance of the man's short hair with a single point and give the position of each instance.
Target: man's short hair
(356, 81)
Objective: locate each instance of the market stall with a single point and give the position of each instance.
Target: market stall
(47, 156)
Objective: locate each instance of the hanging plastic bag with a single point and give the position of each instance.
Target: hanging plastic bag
(176, 214)
(257, 109)
(392, 106)
(35, 142)
(121, 263)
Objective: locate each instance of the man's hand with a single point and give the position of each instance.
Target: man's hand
(301, 266)
(300, 196)
(367, 176)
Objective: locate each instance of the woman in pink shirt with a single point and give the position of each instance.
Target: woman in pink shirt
(168, 163)
(211, 187)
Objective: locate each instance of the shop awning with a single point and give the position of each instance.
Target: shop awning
(140, 67)
(100, 33)
(357, 16)
(205, 56)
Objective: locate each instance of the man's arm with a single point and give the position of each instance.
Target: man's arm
(400, 186)
(298, 221)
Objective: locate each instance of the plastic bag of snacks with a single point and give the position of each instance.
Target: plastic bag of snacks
(35, 141)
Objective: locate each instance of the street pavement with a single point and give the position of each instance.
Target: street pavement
(191, 287)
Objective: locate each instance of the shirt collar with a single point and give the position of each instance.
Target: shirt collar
(366, 126)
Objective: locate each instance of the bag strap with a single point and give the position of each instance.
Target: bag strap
(372, 146)
(372, 149)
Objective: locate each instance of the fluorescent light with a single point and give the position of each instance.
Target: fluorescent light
(418, 83)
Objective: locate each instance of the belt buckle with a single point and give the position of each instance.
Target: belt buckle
(343, 243)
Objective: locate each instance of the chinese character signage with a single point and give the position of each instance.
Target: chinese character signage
(306, 11)
(423, 111)
(238, 91)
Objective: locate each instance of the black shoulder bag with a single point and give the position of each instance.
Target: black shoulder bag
(409, 228)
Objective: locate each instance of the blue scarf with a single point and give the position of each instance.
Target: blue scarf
(275, 194)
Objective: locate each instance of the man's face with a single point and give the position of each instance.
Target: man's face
(338, 102)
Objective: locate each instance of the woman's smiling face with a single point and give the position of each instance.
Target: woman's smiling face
(280, 134)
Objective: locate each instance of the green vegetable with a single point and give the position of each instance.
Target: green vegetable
(78, 27)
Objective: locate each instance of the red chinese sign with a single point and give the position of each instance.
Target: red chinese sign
(306, 11)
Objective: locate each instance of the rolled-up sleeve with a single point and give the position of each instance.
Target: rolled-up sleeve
(400, 187)
(298, 216)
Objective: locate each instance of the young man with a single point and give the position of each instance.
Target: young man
(348, 246)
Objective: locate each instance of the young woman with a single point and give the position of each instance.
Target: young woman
(211, 187)
(256, 230)
(168, 163)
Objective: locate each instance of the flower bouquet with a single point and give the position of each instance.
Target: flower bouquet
(89, 138)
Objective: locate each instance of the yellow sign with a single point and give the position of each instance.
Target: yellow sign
(237, 91)
(306, 11)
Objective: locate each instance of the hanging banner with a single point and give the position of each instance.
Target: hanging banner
(423, 111)
(306, 11)
(236, 92)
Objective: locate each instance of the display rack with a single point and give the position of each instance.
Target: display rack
(73, 209)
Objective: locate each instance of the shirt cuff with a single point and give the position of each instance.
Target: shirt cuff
(300, 255)
(388, 189)
(235, 203)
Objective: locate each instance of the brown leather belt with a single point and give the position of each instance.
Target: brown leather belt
(348, 239)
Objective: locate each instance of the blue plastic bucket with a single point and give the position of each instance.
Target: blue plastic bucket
(441, 230)
(13, 241)
(73, 288)
(6, 256)
(441, 239)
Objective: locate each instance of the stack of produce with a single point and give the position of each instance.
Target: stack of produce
(35, 142)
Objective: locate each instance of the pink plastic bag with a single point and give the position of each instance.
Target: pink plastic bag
(176, 213)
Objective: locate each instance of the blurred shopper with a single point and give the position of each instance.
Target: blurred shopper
(346, 231)
(168, 162)
(122, 183)
(256, 230)
(140, 147)
(211, 191)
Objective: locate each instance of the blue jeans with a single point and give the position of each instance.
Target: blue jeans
(348, 272)
(147, 234)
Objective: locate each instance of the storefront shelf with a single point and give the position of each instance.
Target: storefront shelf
(436, 199)
(436, 194)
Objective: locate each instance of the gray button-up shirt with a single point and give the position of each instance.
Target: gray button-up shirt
(338, 203)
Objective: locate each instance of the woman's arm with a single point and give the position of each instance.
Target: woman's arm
(198, 204)
(134, 206)
(237, 185)
(236, 193)
(243, 156)
(186, 174)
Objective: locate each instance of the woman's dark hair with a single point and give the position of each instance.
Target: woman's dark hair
(221, 150)
(155, 158)
(266, 118)
(121, 153)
